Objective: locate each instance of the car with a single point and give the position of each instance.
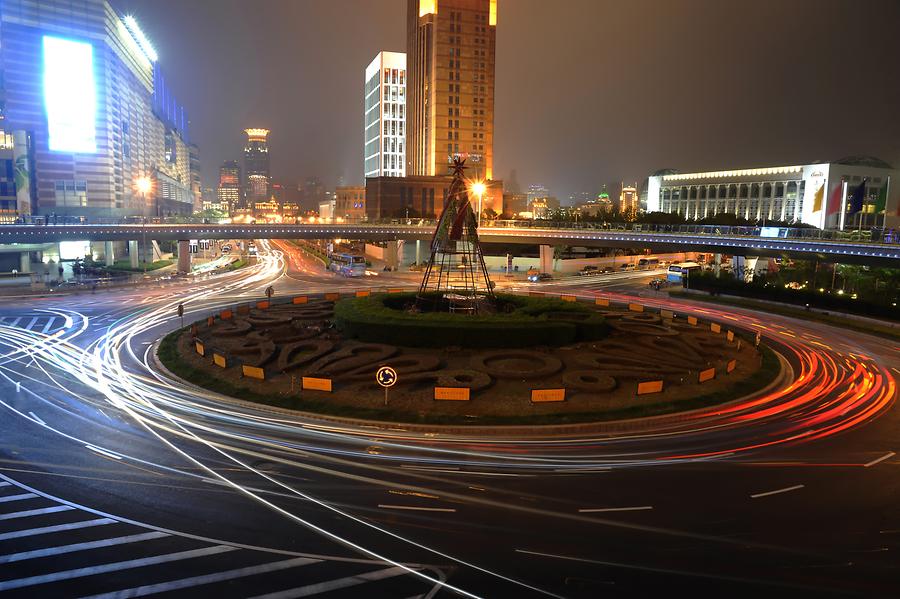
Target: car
(588, 270)
(544, 276)
(627, 266)
(607, 269)
(226, 249)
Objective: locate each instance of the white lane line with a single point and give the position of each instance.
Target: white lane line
(777, 491)
(104, 452)
(18, 497)
(593, 510)
(48, 325)
(74, 547)
(193, 581)
(35, 418)
(31, 324)
(3, 483)
(331, 585)
(15, 322)
(18, 534)
(19, 583)
(886, 456)
(388, 506)
(37, 512)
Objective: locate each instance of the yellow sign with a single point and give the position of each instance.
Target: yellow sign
(692, 320)
(649, 387)
(707, 375)
(301, 299)
(732, 364)
(225, 315)
(332, 296)
(363, 293)
(636, 307)
(601, 301)
(568, 298)
(316, 384)
(730, 336)
(666, 314)
(542, 395)
(395, 290)
(386, 376)
(264, 305)
(452, 393)
(253, 372)
(200, 349)
(219, 360)
(715, 328)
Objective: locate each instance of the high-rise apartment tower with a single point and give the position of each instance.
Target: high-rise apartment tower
(256, 166)
(385, 116)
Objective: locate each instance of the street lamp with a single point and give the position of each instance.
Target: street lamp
(478, 188)
(143, 185)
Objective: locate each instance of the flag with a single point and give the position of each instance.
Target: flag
(817, 199)
(857, 197)
(881, 202)
(834, 202)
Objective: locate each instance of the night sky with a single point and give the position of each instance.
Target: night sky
(588, 91)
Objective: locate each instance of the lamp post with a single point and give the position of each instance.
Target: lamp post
(143, 185)
(478, 188)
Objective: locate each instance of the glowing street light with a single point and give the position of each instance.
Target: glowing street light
(143, 185)
(478, 188)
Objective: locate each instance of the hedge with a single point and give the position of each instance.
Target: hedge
(531, 322)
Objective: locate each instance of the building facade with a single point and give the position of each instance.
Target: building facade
(421, 197)
(87, 106)
(385, 116)
(450, 50)
(228, 191)
(350, 203)
(814, 194)
(256, 167)
(629, 200)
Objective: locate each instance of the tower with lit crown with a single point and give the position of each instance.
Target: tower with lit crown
(256, 166)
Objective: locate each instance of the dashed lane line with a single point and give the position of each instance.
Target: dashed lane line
(37, 512)
(886, 456)
(776, 491)
(18, 534)
(637, 508)
(388, 506)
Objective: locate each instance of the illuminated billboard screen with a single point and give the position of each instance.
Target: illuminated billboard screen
(70, 95)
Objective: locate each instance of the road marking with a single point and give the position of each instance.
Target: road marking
(886, 456)
(338, 583)
(18, 583)
(48, 325)
(35, 418)
(31, 324)
(18, 534)
(37, 512)
(18, 497)
(61, 549)
(777, 491)
(194, 581)
(413, 507)
(104, 452)
(15, 322)
(591, 510)
(3, 483)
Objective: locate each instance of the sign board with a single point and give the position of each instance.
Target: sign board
(636, 307)
(219, 360)
(199, 348)
(568, 298)
(758, 339)
(452, 393)
(707, 375)
(732, 364)
(253, 372)
(730, 336)
(545, 395)
(715, 328)
(692, 320)
(601, 301)
(331, 297)
(363, 293)
(386, 376)
(666, 314)
(649, 387)
(395, 290)
(300, 299)
(180, 309)
(316, 384)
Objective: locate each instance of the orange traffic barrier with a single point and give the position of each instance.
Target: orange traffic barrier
(715, 327)
(601, 301)
(243, 309)
(568, 298)
(545, 395)
(219, 360)
(210, 321)
(316, 384)
(194, 330)
(198, 346)
(395, 290)
(452, 393)
(263, 305)
(730, 336)
(649, 387)
(253, 372)
(692, 320)
(300, 299)
(332, 297)
(732, 364)
(707, 375)
(225, 314)
(666, 314)
(636, 307)
(363, 293)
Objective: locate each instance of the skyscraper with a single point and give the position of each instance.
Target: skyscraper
(256, 166)
(450, 48)
(229, 191)
(385, 115)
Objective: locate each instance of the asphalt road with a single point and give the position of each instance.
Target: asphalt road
(114, 479)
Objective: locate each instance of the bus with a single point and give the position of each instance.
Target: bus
(348, 265)
(678, 271)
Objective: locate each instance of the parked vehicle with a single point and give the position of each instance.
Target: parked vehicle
(627, 266)
(544, 276)
(648, 263)
(588, 270)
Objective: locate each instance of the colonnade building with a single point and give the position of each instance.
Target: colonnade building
(814, 194)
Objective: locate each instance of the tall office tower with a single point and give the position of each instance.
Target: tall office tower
(229, 191)
(256, 166)
(385, 116)
(450, 102)
(629, 200)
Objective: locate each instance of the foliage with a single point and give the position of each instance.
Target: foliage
(519, 322)
(125, 265)
(241, 263)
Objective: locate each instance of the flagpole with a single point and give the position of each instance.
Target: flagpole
(887, 195)
(843, 204)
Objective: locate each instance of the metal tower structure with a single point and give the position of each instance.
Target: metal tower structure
(456, 278)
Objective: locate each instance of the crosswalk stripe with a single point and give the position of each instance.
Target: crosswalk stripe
(61, 549)
(37, 512)
(18, 497)
(338, 583)
(194, 581)
(31, 324)
(15, 322)
(113, 567)
(48, 325)
(18, 534)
